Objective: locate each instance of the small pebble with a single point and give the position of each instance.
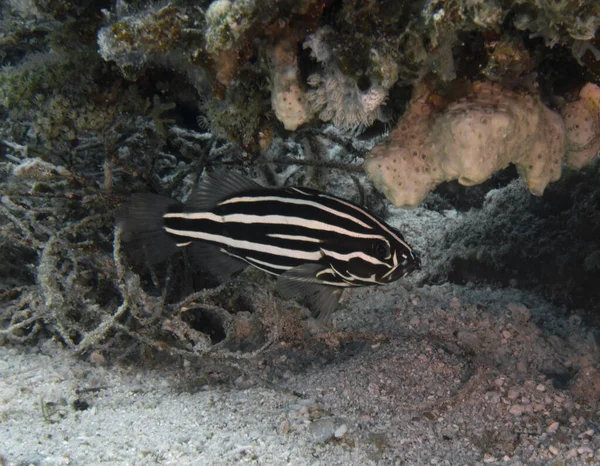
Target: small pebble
(538, 407)
(97, 358)
(516, 410)
(493, 397)
(519, 312)
(553, 427)
(585, 449)
(303, 411)
(541, 388)
(553, 450)
(467, 338)
(323, 430)
(513, 394)
(340, 431)
(307, 402)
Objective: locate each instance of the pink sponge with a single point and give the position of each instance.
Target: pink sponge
(582, 119)
(468, 140)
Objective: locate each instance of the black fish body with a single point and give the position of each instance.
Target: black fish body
(316, 243)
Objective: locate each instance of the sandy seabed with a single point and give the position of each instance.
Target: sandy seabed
(433, 375)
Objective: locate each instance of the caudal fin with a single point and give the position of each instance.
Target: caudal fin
(142, 234)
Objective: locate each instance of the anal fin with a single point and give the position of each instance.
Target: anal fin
(210, 258)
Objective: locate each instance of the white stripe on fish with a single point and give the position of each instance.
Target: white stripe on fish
(270, 220)
(304, 202)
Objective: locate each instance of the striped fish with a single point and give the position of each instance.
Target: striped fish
(315, 243)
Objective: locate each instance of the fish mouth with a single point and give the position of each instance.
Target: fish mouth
(415, 264)
(412, 267)
(402, 270)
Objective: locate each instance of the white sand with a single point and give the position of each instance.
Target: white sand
(447, 375)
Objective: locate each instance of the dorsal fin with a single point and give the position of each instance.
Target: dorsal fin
(218, 186)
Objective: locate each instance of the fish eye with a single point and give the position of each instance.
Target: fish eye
(381, 250)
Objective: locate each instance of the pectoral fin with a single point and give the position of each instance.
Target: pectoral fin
(300, 283)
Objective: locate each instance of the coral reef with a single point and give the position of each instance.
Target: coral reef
(478, 134)
(228, 27)
(350, 72)
(495, 339)
(507, 60)
(133, 42)
(558, 22)
(242, 115)
(60, 95)
(226, 24)
(222, 47)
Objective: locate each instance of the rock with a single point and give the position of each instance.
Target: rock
(513, 394)
(284, 427)
(553, 427)
(341, 431)
(323, 430)
(517, 410)
(519, 312)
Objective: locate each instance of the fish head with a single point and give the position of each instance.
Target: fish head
(396, 256)
(378, 260)
(404, 261)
